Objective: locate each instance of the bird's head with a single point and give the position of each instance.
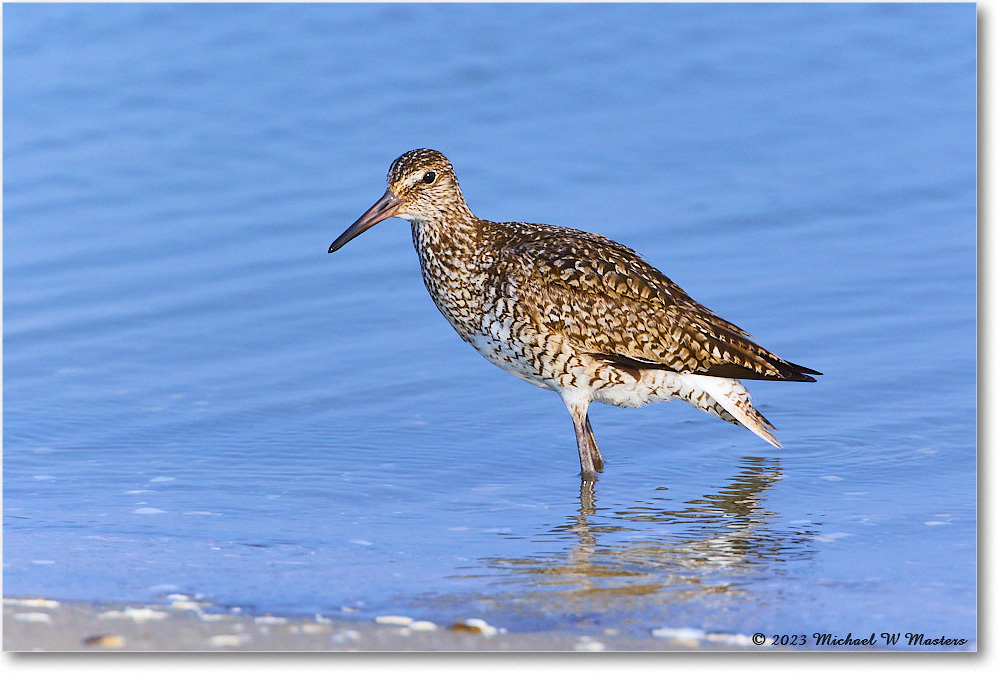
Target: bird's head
(422, 187)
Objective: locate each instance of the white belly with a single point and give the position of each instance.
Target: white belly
(496, 348)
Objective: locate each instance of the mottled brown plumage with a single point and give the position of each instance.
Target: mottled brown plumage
(571, 311)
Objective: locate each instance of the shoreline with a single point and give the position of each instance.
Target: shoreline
(183, 624)
(186, 625)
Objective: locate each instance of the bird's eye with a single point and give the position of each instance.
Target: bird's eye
(429, 177)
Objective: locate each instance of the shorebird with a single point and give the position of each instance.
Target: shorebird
(571, 311)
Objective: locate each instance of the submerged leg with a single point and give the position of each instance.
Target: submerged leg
(590, 457)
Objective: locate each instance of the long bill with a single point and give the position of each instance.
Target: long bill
(386, 207)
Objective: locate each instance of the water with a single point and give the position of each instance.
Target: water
(198, 399)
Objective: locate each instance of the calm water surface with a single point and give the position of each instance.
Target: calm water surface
(198, 399)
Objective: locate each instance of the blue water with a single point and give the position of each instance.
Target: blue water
(197, 398)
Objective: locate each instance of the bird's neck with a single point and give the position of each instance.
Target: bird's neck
(453, 254)
(454, 233)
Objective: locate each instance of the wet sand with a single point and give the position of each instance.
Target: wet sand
(36, 624)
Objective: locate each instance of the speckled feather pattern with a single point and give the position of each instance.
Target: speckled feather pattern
(574, 311)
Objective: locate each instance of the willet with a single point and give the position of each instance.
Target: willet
(571, 311)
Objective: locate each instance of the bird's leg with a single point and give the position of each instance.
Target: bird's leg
(590, 457)
(595, 454)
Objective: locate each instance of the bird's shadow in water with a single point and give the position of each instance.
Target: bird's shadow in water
(658, 549)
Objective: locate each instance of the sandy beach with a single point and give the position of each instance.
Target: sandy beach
(39, 624)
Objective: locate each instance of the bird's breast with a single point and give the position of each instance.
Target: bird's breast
(453, 278)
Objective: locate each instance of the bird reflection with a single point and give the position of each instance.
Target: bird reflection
(659, 547)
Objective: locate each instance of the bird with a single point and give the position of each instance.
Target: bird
(571, 311)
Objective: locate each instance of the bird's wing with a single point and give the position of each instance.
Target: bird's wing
(613, 304)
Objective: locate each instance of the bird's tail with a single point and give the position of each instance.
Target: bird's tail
(733, 398)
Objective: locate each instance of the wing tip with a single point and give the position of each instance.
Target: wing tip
(787, 372)
(804, 372)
